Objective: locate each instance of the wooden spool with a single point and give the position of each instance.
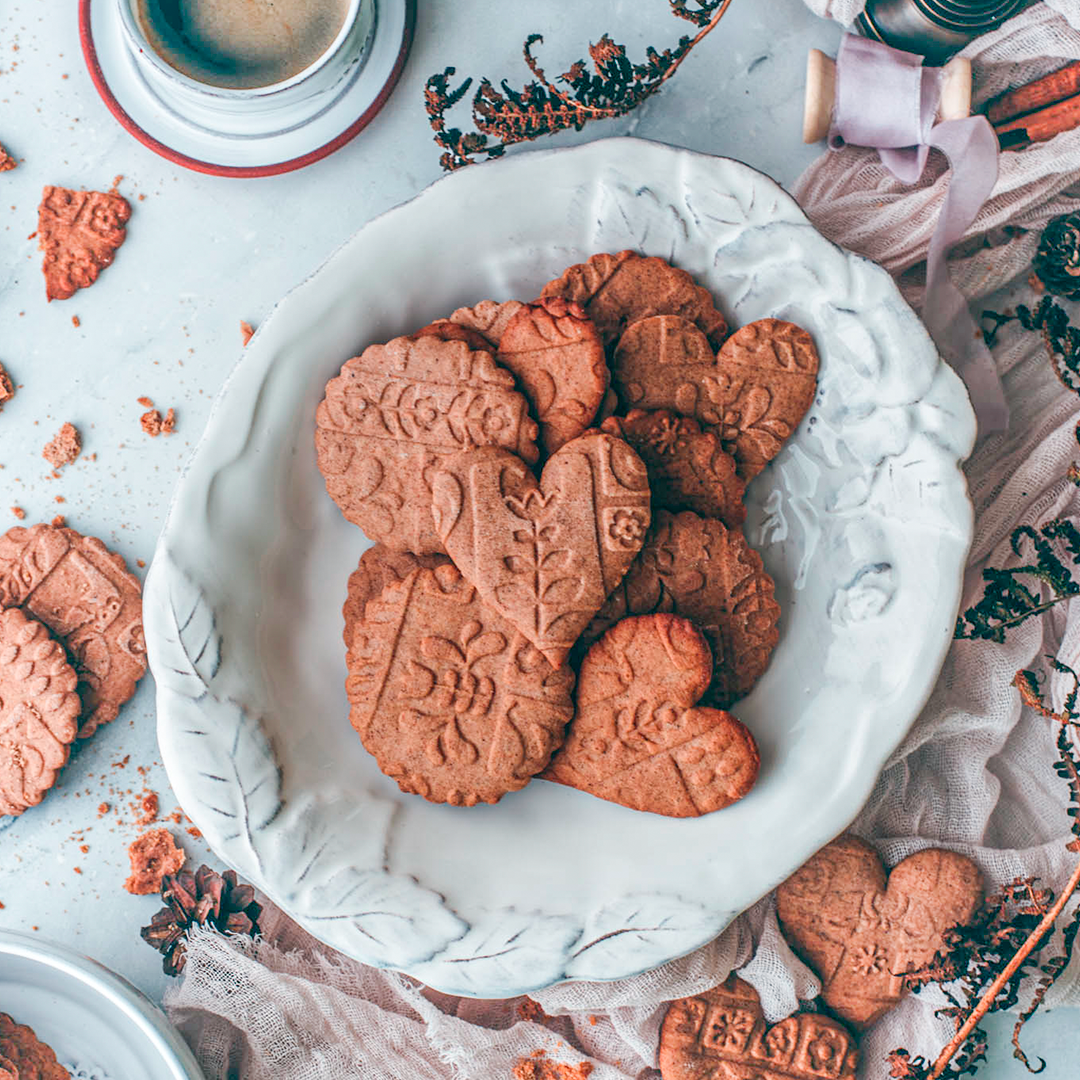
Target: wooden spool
(821, 93)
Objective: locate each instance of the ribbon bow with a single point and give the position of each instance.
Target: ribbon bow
(887, 100)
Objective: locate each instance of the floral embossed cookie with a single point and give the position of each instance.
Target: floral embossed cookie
(723, 1033)
(860, 929)
(28, 1056)
(556, 354)
(688, 469)
(85, 595)
(753, 393)
(637, 738)
(454, 703)
(78, 233)
(393, 416)
(39, 711)
(545, 553)
(617, 290)
(695, 567)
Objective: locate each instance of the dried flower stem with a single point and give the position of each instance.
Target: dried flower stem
(992, 991)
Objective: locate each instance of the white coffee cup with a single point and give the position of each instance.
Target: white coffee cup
(258, 111)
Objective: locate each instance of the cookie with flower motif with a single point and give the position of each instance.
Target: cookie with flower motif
(753, 393)
(453, 702)
(639, 738)
(544, 553)
(688, 469)
(39, 710)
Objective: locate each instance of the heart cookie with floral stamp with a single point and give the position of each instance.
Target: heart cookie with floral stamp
(722, 1035)
(545, 553)
(637, 738)
(454, 703)
(861, 929)
(753, 393)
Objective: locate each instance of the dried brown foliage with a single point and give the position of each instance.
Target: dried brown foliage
(610, 86)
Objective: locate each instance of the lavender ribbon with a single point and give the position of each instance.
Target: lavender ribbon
(886, 99)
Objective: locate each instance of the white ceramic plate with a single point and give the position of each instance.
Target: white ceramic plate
(863, 520)
(99, 1025)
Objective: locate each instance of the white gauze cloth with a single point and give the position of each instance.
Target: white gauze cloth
(974, 774)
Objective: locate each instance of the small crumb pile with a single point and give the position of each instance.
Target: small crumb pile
(64, 448)
(153, 423)
(247, 331)
(7, 162)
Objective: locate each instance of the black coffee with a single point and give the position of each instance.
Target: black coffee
(241, 43)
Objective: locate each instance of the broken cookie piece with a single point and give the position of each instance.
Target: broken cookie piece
(154, 424)
(152, 856)
(63, 448)
(79, 233)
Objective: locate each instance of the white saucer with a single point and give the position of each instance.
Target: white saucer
(141, 112)
(98, 1024)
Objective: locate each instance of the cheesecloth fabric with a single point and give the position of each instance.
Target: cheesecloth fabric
(974, 774)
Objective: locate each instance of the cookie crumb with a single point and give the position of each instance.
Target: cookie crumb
(539, 1067)
(146, 403)
(64, 448)
(103, 809)
(153, 855)
(58, 522)
(7, 162)
(149, 807)
(247, 331)
(7, 387)
(154, 424)
(75, 321)
(19, 512)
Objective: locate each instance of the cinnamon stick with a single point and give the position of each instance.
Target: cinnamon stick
(1040, 126)
(1057, 86)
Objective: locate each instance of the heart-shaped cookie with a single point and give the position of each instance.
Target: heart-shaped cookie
(544, 554)
(620, 289)
(688, 469)
(695, 567)
(452, 701)
(395, 413)
(636, 738)
(555, 352)
(753, 393)
(722, 1035)
(861, 930)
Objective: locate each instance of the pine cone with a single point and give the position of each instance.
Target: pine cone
(1057, 262)
(206, 898)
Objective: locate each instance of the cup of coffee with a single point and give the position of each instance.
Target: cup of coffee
(247, 68)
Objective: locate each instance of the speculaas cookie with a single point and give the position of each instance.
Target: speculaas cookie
(695, 567)
(620, 289)
(30, 1057)
(78, 232)
(721, 1034)
(636, 738)
(488, 318)
(378, 567)
(453, 702)
(555, 352)
(39, 710)
(861, 929)
(85, 595)
(392, 417)
(753, 393)
(545, 554)
(688, 469)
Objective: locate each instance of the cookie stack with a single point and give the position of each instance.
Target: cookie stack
(622, 558)
(71, 652)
